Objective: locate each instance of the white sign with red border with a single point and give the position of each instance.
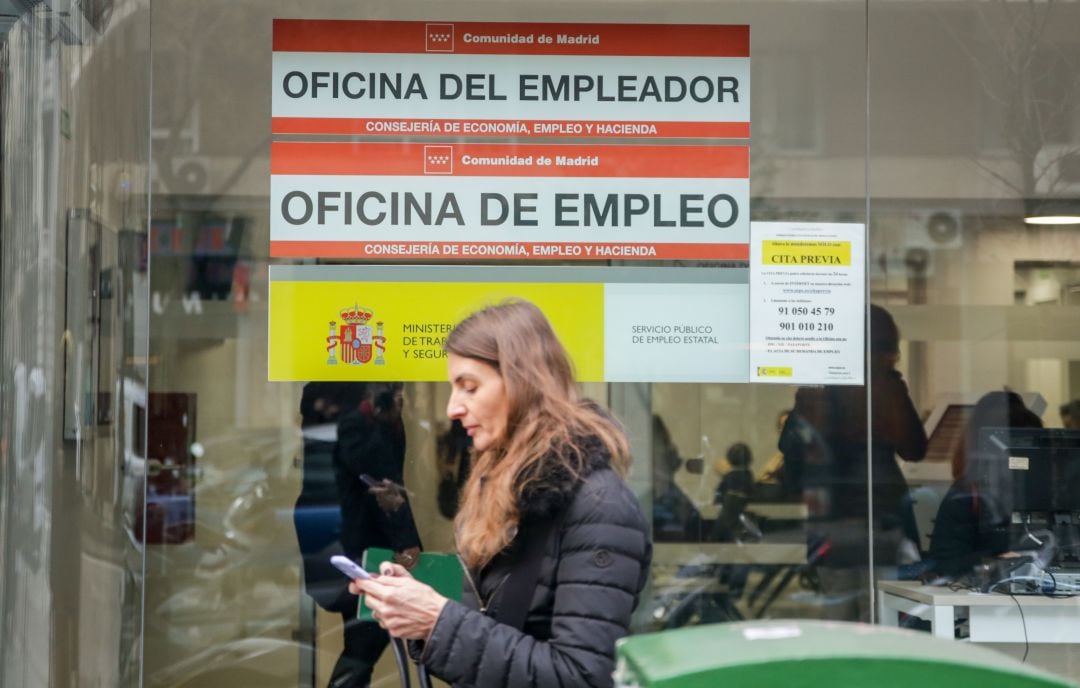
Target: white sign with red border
(510, 79)
(504, 201)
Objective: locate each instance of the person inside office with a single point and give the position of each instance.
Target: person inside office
(824, 443)
(972, 522)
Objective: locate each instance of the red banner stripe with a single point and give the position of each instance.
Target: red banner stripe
(489, 250)
(347, 36)
(357, 126)
(465, 160)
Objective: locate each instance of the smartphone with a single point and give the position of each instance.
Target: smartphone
(349, 567)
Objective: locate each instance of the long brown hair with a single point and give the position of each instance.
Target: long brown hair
(547, 421)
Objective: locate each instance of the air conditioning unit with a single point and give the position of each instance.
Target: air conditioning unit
(934, 229)
(907, 240)
(182, 174)
(190, 175)
(1057, 170)
(203, 174)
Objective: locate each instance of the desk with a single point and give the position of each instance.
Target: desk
(682, 553)
(992, 617)
(781, 511)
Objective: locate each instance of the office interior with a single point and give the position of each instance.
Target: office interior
(150, 472)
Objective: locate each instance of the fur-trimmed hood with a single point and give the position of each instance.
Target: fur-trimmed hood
(555, 489)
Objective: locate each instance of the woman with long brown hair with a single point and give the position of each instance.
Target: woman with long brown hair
(554, 544)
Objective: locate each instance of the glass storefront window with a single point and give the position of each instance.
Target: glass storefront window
(74, 204)
(979, 289)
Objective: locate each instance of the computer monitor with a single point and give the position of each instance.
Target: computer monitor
(944, 428)
(946, 436)
(1030, 469)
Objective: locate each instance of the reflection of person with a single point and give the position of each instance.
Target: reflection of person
(1070, 415)
(825, 444)
(971, 522)
(773, 483)
(740, 478)
(369, 465)
(734, 493)
(826, 435)
(317, 514)
(452, 450)
(675, 518)
(554, 543)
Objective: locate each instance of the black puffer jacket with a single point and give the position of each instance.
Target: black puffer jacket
(589, 582)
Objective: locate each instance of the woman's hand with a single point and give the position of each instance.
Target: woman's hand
(402, 605)
(389, 496)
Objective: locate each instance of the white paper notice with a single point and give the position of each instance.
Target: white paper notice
(807, 303)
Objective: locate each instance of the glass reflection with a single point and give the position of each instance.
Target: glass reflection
(826, 442)
(353, 498)
(70, 583)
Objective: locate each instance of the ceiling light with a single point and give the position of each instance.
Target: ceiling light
(1057, 211)
(1052, 220)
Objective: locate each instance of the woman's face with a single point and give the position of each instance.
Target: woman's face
(478, 399)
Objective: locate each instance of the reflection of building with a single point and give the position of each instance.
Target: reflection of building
(200, 281)
(133, 239)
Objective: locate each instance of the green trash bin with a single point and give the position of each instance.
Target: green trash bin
(814, 654)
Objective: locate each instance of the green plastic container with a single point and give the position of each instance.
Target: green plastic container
(815, 654)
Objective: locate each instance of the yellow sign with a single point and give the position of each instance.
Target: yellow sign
(804, 252)
(774, 371)
(395, 331)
